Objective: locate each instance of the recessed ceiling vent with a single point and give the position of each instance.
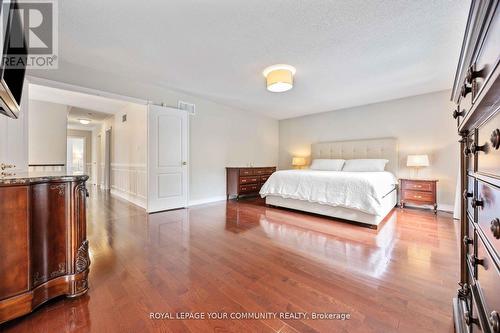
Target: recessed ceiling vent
(189, 107)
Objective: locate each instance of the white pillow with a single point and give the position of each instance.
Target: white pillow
(365, 165)
(327, 164)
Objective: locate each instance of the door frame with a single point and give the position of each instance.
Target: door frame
(107, 158)
(94, 92)
(102, 93)
(188, 157)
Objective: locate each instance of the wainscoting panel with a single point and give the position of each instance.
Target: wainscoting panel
(129, 181)
(47, 168)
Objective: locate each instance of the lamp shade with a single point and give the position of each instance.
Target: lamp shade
(417, 161)
(298, 161)
(279, 78)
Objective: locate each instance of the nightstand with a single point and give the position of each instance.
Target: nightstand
(419, 192)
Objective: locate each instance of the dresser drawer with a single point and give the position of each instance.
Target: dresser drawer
(247, 172)
(264, 178)
(249, 180)
(264, 171)
(249, 188)
(488, 214)
(488, 55)
(487, 149)
(474, 312)
(418, 196)
(488, 281)
(418, 185)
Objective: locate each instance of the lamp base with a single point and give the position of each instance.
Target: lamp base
(415, 174)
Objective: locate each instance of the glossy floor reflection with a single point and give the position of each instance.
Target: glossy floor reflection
(243, 256)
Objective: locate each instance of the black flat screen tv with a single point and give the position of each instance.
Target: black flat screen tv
(14, 58)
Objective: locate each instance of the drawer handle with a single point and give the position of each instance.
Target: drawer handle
(473, 74)
(477, 203)
(457, 113)
(494, 321)
(474, 148)
(467, 151)
(465, 90)
(417, 196)
(467, 194)
(417, 186)
(476, 261)
(495, 228)
(467, 241)
(468, 318)
(495, 138)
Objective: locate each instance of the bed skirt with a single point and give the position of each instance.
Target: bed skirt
(388, 203)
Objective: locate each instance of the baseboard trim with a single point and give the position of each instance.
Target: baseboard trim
(446, 208)
(206, 200)
(129, 197)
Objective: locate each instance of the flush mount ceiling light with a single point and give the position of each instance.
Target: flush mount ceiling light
(84, 121)
(279, 78)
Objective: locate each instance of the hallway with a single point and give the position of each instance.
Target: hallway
(244, 257)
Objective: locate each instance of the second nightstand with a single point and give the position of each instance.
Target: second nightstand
(418, 191)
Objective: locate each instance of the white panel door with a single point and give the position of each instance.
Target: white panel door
(167, 158)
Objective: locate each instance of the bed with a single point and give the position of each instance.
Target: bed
(362, 197)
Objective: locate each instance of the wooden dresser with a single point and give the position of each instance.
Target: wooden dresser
(43, 241)
(476, 92)
(418, 192)
(246, 181)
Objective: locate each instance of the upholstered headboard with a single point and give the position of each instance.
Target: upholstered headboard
(369, 148)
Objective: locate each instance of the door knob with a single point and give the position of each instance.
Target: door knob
(184, 163)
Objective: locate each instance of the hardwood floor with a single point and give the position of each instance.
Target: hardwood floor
(245, 257)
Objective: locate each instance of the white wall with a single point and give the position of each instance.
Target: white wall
(47, 132)
(96, 149)
(423, 125)
(14, 136)
(128, 153)
(220, 136)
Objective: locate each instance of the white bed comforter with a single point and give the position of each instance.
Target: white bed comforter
(363, 191)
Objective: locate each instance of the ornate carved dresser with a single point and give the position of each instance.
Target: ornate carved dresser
(43, 243)
(476, 92)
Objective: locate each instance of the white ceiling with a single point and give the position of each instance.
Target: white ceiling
(95, 108)
(76, 99)
(347, 53)
(96, 118)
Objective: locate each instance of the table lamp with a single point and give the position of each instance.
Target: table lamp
(417, 161)
(298, 162)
